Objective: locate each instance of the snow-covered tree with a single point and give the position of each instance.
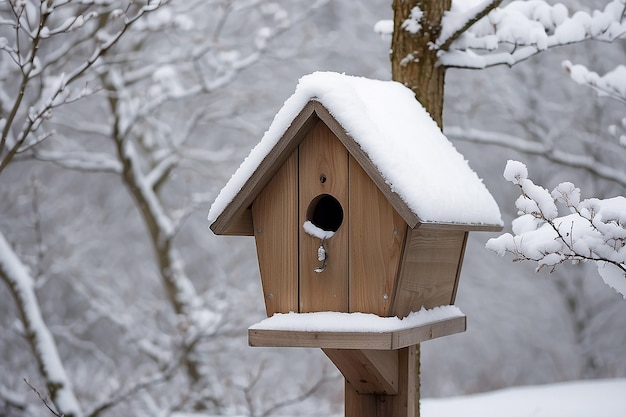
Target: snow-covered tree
(430, 36)
(125, 89)
(40, 74)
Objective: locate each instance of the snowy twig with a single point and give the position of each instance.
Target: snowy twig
(467, 20)
(80, 161)
(513, 33)
(535, 148)
(612, 84)
(256, 378)
(15, 274)
(595, 231)
(43, 400)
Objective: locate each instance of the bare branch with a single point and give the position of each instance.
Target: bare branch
(43, 400)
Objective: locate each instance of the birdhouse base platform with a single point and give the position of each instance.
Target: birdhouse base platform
(331, 330)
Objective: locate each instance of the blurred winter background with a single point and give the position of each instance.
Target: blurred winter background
(195, 85)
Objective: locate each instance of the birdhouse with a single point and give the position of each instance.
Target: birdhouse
(358, 204)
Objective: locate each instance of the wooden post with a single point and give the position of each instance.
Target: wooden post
(405, 403)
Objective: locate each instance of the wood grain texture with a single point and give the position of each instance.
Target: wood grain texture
(429, 270)
(404, 404)
(376, 235)
(321, 154)
(368, 371)
(275, 214)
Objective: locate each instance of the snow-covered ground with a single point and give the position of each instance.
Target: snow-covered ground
(591, 398)
(597, 398)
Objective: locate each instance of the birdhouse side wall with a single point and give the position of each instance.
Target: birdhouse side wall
(429, 270)
(275, 221)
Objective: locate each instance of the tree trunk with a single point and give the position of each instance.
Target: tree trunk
(414, 64)
(413, 61)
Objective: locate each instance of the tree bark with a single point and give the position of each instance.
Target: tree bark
(413, 60)
(414, 64)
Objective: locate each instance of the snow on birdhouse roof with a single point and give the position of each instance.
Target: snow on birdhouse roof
(397, 134)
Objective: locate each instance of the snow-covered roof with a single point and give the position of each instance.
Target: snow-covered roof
(397, 135)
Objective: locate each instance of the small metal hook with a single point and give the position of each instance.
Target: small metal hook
(322, 256)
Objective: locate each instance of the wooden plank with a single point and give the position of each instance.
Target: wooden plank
(460, 227)
(368, 371)
(436, 330)
(275, 213)
(428, 270)
(387, 340)
(361, 405)
(404, 404)
(330, 340)
(376, 236)
(229, 222)
(323, 170)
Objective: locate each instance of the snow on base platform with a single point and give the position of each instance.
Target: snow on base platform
(355, 330)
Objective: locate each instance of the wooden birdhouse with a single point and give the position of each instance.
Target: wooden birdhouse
(358, 203)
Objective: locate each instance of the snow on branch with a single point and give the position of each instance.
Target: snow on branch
(44, 83)
(612, 84)
(80, 161)
(454, 25)
(535, 148)
(594, 231)
(15, 274)
(519, 30)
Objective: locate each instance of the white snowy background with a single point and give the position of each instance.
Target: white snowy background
(211, 76)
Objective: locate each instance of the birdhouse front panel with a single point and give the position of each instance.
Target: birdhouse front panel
(323, 195)
(356, 267)
(275, 222)
(377, 234)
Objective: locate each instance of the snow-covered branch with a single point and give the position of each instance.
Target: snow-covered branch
(49, 86)
(16, 276)
(454, 25)
(594, 231)
(612, 84)
(546, 151)
(513, 33)
(80, 161)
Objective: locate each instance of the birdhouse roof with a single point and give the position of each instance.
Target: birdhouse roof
(391, 135)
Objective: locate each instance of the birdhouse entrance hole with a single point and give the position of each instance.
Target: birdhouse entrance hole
(325, 212)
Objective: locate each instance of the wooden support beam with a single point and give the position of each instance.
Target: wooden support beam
(368, 371)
